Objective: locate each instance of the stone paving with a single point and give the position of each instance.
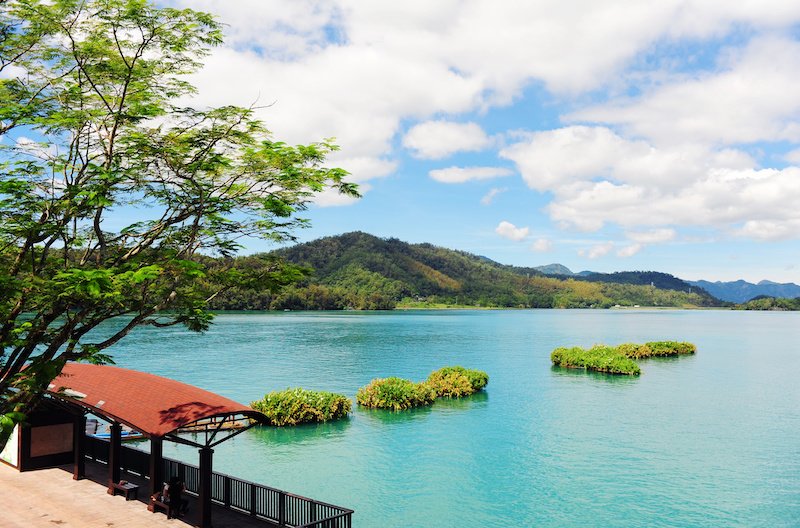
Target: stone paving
(51, 498)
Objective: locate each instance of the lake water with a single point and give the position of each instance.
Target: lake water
(707, 440)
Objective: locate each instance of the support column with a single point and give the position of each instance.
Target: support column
(114, 456)
(204, 493)
(78, 446)
(156, 465)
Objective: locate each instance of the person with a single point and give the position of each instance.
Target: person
(177, 504)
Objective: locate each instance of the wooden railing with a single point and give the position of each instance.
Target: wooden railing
(257, 500)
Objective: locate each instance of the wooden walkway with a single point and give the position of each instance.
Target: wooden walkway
(50, 498)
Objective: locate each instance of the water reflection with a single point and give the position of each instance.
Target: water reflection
(394, 417)
(300, 433)
(478, 399)
(620, 379)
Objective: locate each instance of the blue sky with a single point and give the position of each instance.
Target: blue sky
(614, 135)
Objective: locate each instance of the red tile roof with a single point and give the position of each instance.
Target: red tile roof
(148, 403)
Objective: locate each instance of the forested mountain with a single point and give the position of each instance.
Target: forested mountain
(361, 271)
(741, 291)
(646, 278)
(765, 303)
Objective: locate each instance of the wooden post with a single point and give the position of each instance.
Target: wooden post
(114, 456)
(78, 446)
(156, 465)
(204, 493)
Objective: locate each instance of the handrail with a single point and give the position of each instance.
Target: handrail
(257, 500)
(322, 522)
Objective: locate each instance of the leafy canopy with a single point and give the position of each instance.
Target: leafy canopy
(110, 191)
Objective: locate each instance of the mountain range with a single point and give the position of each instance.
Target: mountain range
(359, 270)
(739, 291)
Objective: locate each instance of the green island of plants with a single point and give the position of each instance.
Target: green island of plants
(656, 349)
(599, 358)
(618, 359)
(398, 394)
(455, 382)
(296, 406)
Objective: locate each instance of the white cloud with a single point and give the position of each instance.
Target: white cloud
(598, 177)
(542, 245)
(439, 139)
(597, 251)
(357, 69)
(629, 251)
(465, 174)
(510, 231)
(760, 199)
(752, 97)
(363, 168)
(553, 159)
(793, 156)
(654, 236)
(332, 198)
(489, 197)
(770, 229)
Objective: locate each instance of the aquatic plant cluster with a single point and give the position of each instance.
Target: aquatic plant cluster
(455, 382)
(396, 394)
(295, 406)
(618, 359)
(399, 394)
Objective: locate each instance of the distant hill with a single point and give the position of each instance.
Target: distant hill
(651, 278)
(741, 291)
(555, 269)
(359, 270)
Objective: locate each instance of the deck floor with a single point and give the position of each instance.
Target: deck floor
(50, 497)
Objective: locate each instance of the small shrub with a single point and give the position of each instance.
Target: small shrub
(396, 394)
(296, 406)
(455, 382)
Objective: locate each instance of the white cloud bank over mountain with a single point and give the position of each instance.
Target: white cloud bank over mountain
(660, 132)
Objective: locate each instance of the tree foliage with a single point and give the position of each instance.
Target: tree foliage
(110, 190)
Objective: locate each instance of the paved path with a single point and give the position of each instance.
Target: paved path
(50, 498)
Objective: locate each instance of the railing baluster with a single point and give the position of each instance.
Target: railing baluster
(282, 508)
(226, 491)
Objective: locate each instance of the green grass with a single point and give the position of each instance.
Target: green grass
(296, 406)
(396, 394)
(456, 382)
(618, 359)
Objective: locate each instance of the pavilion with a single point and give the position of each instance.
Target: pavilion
(157, 407)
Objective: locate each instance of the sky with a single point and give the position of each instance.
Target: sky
(605, 136)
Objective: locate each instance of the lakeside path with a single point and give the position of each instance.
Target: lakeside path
(49, 497)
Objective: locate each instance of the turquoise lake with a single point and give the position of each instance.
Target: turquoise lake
(707, 440)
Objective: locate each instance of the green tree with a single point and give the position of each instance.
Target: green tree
(92, 136)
